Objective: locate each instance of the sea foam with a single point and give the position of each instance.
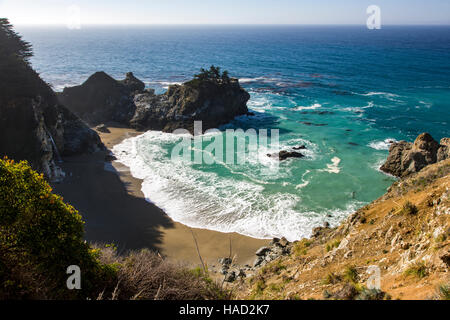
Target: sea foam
(204, 199)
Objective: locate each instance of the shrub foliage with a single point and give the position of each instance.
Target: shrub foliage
(40, 236)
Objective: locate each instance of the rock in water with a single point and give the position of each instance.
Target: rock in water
(283, 155)
(102, 98)
(406, 158)
(213, 103)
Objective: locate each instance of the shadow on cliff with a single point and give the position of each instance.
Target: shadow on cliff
(111, 212)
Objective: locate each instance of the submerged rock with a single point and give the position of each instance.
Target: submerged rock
(283, 155)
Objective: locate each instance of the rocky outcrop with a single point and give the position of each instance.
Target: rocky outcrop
(444, 151)
(406, 158)
(102, 99)
(36, 128)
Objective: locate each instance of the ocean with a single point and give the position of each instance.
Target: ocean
(345, 92)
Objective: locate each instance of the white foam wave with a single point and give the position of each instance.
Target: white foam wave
(312, 107)
(258, 79)
(382, 145)
(333, 167)
(163, 84)
(204, 199)
(387, 94)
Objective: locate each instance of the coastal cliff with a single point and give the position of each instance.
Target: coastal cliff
(34, 126)
(213, 98)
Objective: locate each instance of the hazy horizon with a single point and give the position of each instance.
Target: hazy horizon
(214, 12)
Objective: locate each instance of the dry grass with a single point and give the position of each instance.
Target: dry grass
(145, 275)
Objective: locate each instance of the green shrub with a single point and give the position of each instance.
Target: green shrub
(409, 209)
(332, 244)
(351, 274)
(444, 292)
(417, 269)
(40, 236)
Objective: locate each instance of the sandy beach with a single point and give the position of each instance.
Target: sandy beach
(115, 211)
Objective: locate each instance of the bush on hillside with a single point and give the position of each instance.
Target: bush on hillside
(40, 236)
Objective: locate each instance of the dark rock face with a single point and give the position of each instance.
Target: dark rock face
(78, 137)
(101, 99)
(406, 158)
(133, 83)
(36, 128)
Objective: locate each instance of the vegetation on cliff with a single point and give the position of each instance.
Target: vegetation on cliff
(41, 236)
(33, 125)
(401, 239)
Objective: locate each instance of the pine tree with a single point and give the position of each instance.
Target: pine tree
(12, 44)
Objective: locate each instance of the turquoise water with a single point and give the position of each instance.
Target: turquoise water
(344, 92)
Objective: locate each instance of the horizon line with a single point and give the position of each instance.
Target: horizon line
(230, 24)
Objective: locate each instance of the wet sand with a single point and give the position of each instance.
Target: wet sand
(115, 211)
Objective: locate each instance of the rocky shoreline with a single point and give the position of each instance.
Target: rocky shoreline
(341, 243)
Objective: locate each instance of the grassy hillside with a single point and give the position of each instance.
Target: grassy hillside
(405, 233)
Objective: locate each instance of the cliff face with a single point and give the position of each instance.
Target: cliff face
(35, 127)
(102, 99)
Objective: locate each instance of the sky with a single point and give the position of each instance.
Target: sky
(393, 12)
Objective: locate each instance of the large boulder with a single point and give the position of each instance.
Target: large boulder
(406, 158)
